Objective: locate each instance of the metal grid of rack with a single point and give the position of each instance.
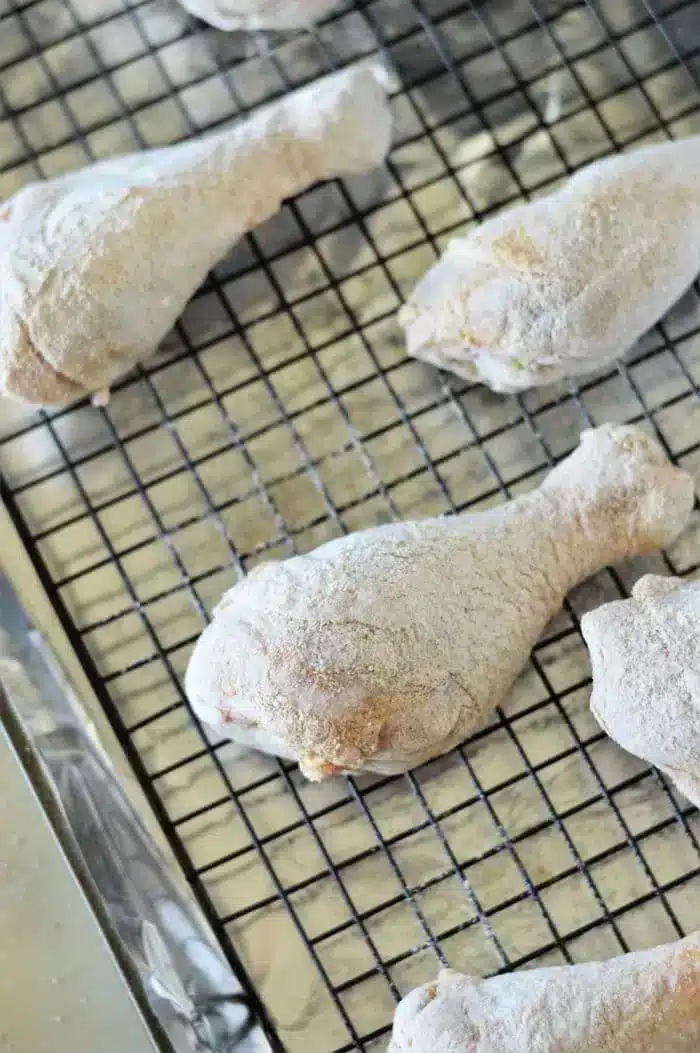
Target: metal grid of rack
(281, 412)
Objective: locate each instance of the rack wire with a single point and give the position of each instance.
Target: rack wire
(281, 412)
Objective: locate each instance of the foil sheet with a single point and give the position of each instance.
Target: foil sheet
(184, 978)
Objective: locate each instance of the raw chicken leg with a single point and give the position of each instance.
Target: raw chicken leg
(260, 14)
(565, 284)
(645, 1002)
(95, 266)
(380, 650)
(645, 654)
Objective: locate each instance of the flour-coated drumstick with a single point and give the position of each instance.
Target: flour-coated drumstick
(643, 1002)
(382, 649)
(562, 286)
(96, 265)
(260, 14)
(645, 654)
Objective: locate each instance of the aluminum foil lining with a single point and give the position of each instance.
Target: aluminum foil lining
(185, 979)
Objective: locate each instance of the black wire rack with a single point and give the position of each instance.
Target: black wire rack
(281, 412)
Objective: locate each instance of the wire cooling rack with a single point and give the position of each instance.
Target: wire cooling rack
(281, 412)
